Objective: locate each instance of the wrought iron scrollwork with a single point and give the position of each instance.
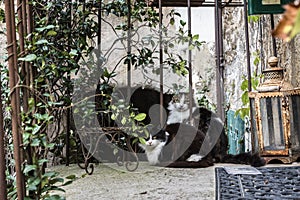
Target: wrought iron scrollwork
(110, 135)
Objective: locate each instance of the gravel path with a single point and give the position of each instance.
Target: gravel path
(109, 181)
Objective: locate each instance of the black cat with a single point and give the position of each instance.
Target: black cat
(182, 145)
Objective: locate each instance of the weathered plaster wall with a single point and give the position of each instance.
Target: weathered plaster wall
(203, 61)
(260, 41)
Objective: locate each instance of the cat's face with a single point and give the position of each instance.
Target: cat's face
(157, 139)
(180, 102)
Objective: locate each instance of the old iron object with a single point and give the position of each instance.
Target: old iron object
(275, 115)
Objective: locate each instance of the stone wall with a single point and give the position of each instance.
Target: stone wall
(261, 43)
(203, 61)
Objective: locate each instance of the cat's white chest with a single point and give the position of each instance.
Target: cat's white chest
(153, 153)
(176, 116)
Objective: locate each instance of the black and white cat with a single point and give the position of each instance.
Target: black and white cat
(160, 149)
(201, 118)
(154, 146)
(201, 144)
(183, 143)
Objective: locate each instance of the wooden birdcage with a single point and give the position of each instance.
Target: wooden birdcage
(275, 116)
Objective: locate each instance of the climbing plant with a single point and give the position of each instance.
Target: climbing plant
(145, 32)
(64, 34)
(138, 37)
(255, 78)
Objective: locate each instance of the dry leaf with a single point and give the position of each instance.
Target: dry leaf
(289, 24)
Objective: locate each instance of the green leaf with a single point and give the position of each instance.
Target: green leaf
(67, 183)
(33, 182)
(35, 142)
(51, 33)
(28, 58)
(142, 140)
(140, 117)
(242, 112)
(256, 61)
(26, 136)
(56, 180)
(123, 121)
(36, 129)
(29, 168)
(45, 28)
(72, 177)
(50, 174)
(113, 116)
(41, 161)
(245, 98)
(73, 52)
(171, 45)
(50, 146)
(255, 83)
(195, 37)
(191, 47)
(135, 140)
(43, 41)
(244, 85)
(172, 21)
(183, 23)
(55, 197)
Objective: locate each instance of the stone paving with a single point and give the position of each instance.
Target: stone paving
(110, 181)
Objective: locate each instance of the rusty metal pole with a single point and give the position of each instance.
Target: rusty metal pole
(129, 35)
(21, 10)
(161, 69)
(222, 63)
(191, 92)
(29, 28)
(22, 31)
(12, 64)
(247, 46)
(3, 184)
(252, 120)
(219, 64)
(273, 38)
(68, 112)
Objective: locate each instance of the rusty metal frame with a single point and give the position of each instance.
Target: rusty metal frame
(24, 26)
(285, 155)
(219, 5)
(3, 188)
(14, 94)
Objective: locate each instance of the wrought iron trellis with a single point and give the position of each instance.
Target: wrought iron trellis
(219, 5)
(25, 25)
(3, 191)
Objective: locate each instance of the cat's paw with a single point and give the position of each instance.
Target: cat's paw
(195, 158)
